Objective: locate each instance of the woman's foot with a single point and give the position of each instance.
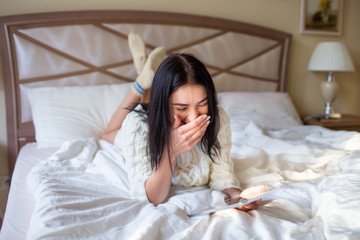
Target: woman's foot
(145, 79)
(138, 51)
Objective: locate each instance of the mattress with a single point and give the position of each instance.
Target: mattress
(20, 202)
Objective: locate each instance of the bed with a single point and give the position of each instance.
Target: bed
(66, 72)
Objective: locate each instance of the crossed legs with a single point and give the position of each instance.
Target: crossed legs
(146, 68)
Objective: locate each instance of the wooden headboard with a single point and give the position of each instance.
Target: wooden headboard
(90, 47)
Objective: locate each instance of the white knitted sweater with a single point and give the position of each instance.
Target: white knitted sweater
(193, 168)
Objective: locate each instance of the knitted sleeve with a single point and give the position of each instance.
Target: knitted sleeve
(131, 141)
(222, 171)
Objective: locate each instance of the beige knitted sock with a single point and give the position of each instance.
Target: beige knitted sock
(138, 51)
(145, 79)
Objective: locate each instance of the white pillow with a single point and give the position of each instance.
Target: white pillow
(270, 110)
(64, 113)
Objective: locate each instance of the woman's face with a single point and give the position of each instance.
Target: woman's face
(189, 102)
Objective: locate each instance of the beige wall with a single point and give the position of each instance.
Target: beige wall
(284, 15)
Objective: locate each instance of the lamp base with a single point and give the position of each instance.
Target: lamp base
(329, 112)
(332, 116)
(323, 116)
(328, 92)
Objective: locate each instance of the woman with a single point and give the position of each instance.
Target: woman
(180, 137)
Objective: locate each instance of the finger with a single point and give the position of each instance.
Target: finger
(243, 208)
(197, 130)
(192, 141)
(250, 206)
(247, 207)
(177, 121)
(197, 123)
(257, 202)
(193, 136)
(197, 136)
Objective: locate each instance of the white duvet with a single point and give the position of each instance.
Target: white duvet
(81, 192)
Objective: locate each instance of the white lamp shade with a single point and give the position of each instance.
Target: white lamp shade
(331, 57)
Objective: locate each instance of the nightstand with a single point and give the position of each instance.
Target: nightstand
(348, 122)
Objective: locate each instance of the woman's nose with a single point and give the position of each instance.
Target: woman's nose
(193, 114)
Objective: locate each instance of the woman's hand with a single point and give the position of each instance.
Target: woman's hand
(236, 194)
(184, 137)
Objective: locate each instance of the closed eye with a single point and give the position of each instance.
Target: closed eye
(203, 102)
(180, 106)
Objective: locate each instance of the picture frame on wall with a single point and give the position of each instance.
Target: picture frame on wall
(322, 17)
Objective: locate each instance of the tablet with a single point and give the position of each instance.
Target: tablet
(241, 203)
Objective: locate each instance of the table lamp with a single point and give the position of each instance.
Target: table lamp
(330, 57)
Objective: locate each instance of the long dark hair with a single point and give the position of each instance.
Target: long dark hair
(175, 71)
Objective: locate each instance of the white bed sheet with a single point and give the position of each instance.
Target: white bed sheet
(322, 199)
(20, 204)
